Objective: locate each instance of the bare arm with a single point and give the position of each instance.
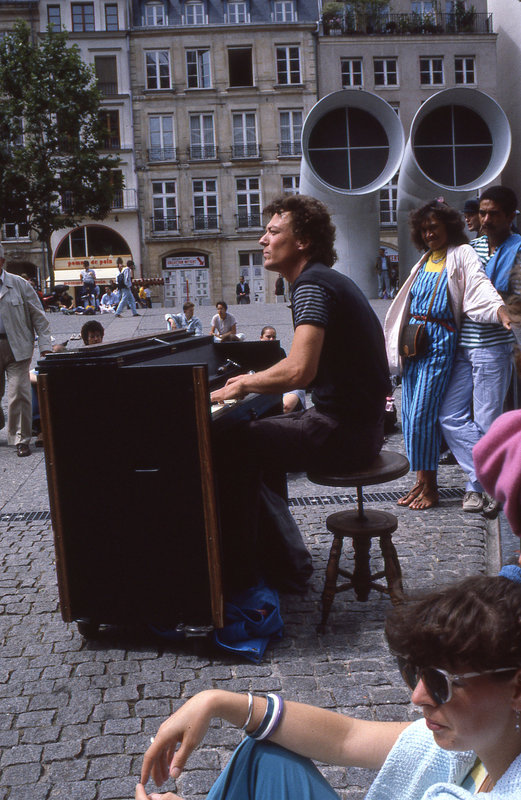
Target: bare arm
(294, 372)
(313, 732)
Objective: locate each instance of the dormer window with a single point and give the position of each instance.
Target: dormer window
(284, 11)
(237, 13)
(194, 14)
(154, 14)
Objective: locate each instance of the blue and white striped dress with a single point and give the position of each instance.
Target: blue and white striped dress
(425, 379)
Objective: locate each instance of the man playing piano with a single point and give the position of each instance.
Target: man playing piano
(337, 352)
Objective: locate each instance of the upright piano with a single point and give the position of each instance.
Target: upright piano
(131, 444)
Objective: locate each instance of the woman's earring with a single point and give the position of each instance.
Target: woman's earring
(518, 721)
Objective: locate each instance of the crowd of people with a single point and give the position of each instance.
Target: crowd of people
(458, 649)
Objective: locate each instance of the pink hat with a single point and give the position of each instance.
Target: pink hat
(497, 458)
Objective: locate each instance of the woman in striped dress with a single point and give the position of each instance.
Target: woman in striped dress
(450, 272)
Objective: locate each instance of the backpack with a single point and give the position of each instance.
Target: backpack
(120, 281)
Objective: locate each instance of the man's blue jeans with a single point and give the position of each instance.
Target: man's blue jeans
(127, 299)
(474, 399)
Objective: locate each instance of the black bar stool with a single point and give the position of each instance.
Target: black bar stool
(361, 526)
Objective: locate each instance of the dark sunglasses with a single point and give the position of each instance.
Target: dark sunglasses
(438, 682)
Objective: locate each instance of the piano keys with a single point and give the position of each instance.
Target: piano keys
(130, 448)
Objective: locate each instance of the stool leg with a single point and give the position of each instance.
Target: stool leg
(393, 572)
(331, 577)
(362, 573)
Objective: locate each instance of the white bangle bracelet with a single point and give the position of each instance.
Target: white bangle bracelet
(250, 712)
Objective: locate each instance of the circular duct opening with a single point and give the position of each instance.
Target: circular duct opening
(348, 148)
(453, 145)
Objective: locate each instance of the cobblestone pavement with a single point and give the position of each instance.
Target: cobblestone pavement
(77, 715)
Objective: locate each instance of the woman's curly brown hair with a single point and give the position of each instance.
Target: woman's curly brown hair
(310, 222)
(450, 217)
(475, 624)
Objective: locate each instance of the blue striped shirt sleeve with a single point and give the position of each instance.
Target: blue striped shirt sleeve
(310, 305)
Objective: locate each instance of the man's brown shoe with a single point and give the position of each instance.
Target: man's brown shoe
(23, 449)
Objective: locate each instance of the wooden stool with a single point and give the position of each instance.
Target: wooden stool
(362, 526)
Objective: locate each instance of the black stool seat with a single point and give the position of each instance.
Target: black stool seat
(386, 467)
(361, 526)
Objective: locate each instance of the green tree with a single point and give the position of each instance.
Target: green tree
(52, 174)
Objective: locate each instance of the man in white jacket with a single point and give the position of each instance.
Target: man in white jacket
(22, 318)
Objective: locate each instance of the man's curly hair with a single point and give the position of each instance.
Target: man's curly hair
(450, 217)
(310, 222)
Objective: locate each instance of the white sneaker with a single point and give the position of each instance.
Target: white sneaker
(472, 502)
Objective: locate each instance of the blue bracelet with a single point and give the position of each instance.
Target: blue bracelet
(271, 719)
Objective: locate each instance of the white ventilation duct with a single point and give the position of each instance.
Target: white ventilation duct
(352, 145)
(459, 142)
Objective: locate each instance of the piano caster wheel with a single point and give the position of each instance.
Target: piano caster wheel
(88, 628)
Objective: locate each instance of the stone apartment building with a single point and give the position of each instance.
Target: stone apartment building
(220, 91)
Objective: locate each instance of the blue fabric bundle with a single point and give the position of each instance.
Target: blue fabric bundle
(252, 618)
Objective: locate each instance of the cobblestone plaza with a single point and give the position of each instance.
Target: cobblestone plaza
(77, 715)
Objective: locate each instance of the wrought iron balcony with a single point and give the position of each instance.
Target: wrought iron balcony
(249, 150)
(354, 23)
(162, 154)
(245, 220)
(290, 149)
(164, 224)
(203, 152)
(124, 199)
(205, 222)
(108, 88)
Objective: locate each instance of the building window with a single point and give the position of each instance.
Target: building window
(107, 74)
(386, 72)
(465, 69)
(290, 184)
(110, 122)
(240, 66)
(198, 69)
(158, 69)
(205, 204)
(431, 71)
(423, 7)
(164, 201)
(290, 133)
(248, 202)
(284, 11)
(15, 230)
(111, 17)
(202, 137)
(237, 13)
(154, 14)
(244, 135)
(388, 201)
(288, 65)
(54, 19)
(351, 72)
(82, 16)
(161, 132)
(194, 14)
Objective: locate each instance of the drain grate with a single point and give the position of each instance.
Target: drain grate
(25, 516)
(312, 500)
(374, 497)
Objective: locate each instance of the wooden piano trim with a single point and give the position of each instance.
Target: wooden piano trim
(201, 397)
(54, 497)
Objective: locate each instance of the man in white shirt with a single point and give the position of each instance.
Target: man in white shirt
(22, 318)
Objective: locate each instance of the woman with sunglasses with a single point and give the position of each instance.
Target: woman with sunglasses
(459, 650)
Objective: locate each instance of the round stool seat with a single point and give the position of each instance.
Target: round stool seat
(373, 523)
(387, 466)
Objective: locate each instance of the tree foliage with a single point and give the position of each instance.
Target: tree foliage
(52, 174)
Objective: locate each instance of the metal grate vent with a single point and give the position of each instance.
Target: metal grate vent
(375, 497)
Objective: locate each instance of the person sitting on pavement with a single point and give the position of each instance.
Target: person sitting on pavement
(108, 301)
(459, 652)
(185, 320)
(224, 325)
(296, 399)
